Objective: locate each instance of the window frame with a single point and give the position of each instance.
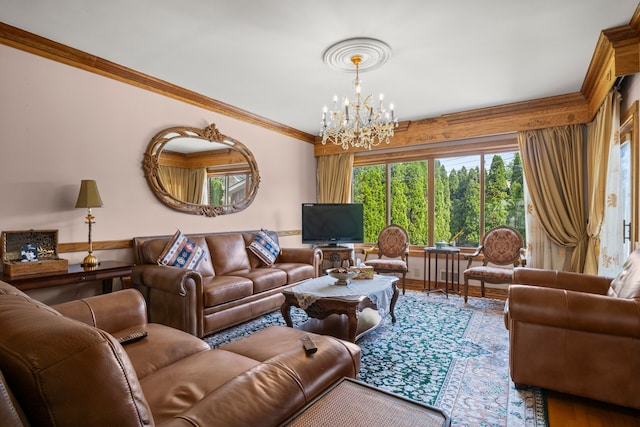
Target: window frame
(432, 152)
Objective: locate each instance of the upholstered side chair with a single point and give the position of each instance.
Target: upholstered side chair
(393, 253)
(501, 247)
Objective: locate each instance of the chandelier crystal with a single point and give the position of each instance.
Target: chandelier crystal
(357, 123)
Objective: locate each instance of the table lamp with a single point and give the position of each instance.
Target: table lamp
(89, 198)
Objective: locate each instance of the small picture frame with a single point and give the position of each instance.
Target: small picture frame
(29, 252)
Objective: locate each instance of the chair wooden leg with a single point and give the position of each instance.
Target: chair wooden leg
(466, 289)
(482, 288)
(404, 275)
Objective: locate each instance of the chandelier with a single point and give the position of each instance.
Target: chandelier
(358, 123)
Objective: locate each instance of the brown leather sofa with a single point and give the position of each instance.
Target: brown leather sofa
(230, 285)
(576, 333)
(65, 367)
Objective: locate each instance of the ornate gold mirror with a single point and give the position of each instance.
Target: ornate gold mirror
(201, 171)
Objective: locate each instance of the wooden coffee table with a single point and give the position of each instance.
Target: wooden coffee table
(346, 312)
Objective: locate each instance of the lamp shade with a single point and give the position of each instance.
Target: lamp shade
(89, 196)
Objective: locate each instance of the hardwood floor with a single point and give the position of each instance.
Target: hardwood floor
(565, 410)
(571, 411)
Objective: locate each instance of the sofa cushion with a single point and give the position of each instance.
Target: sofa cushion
(295, 271)
(162, 347)
(264, 278)
(281, 346)
(627, 282)
(221, 289)
(171, 392)
(228, 253)
(489, 274)
(265, 248)
(180, 251)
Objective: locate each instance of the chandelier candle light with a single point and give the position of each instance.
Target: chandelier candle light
(89, 197)
(358, 124)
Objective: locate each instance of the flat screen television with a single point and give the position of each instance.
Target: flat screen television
(332, 223)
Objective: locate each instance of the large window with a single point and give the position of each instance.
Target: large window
(444, 198)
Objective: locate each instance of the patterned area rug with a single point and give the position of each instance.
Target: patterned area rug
(441, 352)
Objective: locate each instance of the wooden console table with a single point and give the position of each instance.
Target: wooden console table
(106, 271)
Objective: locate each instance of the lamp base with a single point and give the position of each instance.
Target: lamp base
(90, 261)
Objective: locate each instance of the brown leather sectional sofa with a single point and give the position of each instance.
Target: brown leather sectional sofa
(576, 333)
(65, 367)
(230, 285)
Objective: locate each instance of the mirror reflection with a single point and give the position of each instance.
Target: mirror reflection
(201, 171)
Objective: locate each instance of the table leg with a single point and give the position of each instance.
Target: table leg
(429, 274)
(352, 315)
(424, 272)
(107, 286)
(458, 273)
(285, 309)
(392, 306)
(446, 274)
(436, 266)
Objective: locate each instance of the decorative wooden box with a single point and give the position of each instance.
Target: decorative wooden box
(40, 246)
(364, 273)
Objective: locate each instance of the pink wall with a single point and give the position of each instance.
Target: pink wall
(60, 125)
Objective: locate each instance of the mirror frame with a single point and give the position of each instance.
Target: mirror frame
(151, 164)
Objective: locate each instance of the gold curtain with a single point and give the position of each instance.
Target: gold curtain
(184, 183)
(554, 169)
(598, 141)
(334, 178)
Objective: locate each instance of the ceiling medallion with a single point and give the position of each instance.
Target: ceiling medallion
(356, 123)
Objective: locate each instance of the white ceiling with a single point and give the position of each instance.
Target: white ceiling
(266, 56)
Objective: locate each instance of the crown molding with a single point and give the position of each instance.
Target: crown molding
(616, 55)
(37, 45)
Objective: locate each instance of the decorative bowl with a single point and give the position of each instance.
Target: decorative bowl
(343, 275)
(441, 244)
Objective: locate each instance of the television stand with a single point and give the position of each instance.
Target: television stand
(337, 255)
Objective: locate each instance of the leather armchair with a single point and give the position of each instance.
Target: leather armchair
(576, 333)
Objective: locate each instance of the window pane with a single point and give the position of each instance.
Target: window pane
(216, 190)
(463, 176)
(369, 188)
(228, 189)
(504, 193)
(237, 188)
(409, 186)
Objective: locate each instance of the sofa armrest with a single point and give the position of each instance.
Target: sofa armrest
(577, 282)
(170, 279)
(580, 311)
(109, 312)
(175, 296)
(312, 256)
